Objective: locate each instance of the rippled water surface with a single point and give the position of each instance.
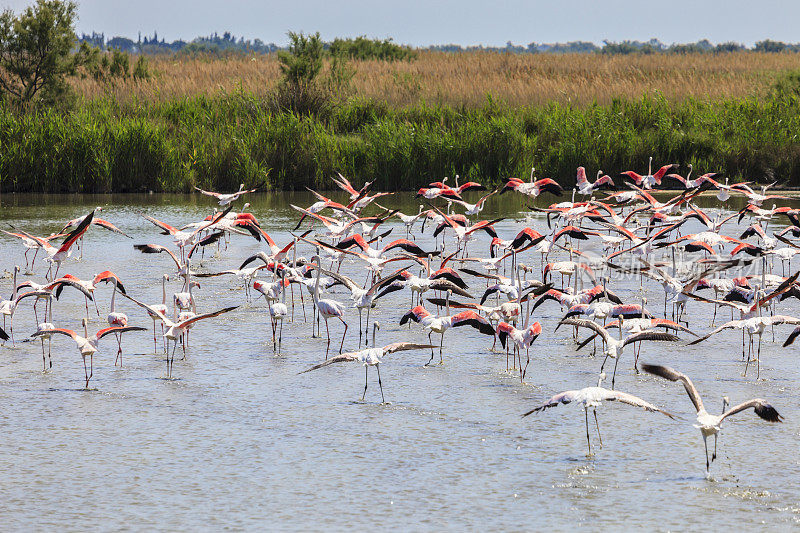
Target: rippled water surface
(240, 440)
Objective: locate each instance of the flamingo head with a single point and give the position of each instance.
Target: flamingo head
(725, 403)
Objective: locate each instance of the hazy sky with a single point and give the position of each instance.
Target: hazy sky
(466, 22)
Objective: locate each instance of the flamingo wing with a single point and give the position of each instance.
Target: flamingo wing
(77, 233)
(673, 375)
(473, 319)
(117, 329)
(630, 399)
(156, 249)
(206, 315)
(763, 409)
(404, 346)
(60, 331)
(562, 397)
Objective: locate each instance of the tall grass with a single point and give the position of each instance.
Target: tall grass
(465, 79)
(221, 141)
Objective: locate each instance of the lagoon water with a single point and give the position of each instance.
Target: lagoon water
(239, 440)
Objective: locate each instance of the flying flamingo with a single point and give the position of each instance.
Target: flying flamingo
(371, 357)
(439, 325)
(225, 199)
(59, 255)
(533, 188)
(176, 329)
(585, 188)
(709, 424)
(31, 242)
(593, 397)
(650, 180)
(87, 345)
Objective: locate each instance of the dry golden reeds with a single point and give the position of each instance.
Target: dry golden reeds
(467, 78)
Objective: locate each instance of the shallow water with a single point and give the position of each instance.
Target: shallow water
(240, 440)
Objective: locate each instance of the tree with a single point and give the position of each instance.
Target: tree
(300, 66)
(35, 51)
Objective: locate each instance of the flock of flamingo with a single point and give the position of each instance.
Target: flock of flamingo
(633, 234)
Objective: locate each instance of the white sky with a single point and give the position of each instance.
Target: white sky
(465, 22)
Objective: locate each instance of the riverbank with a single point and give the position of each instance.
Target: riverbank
(219, 142)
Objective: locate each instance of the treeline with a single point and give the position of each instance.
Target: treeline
(653, 46)
(215, 44)
(365, 48)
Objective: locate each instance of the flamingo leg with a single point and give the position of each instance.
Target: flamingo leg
(85, 372)
(527, 362)
(588, 440)
(705, 443)
(380, 385)
(366, 381)
(614, 375)
(341, 346)
(329, 338)
(441, 344)
(430, 343)
(598, 427)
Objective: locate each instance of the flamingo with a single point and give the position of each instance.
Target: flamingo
(117, 319)
(177, 328)
(533, 188)
(709, 424)
(752, 326)
(520, 338)
(614, 347)
(225, 199)
(59, 255)
(278, 313)
(593, 397)
(161, 309)
(585, 188)
(87, 346)
(435, 324)
(7, 307)
(371, 357)
(44, 329)
(328, 308)
(650, 180)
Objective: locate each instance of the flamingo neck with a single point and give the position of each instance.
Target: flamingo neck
(14, 295)
(114, 296)
(316, 283)
(163, 291)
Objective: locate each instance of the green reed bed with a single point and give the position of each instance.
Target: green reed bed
(219, 142)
